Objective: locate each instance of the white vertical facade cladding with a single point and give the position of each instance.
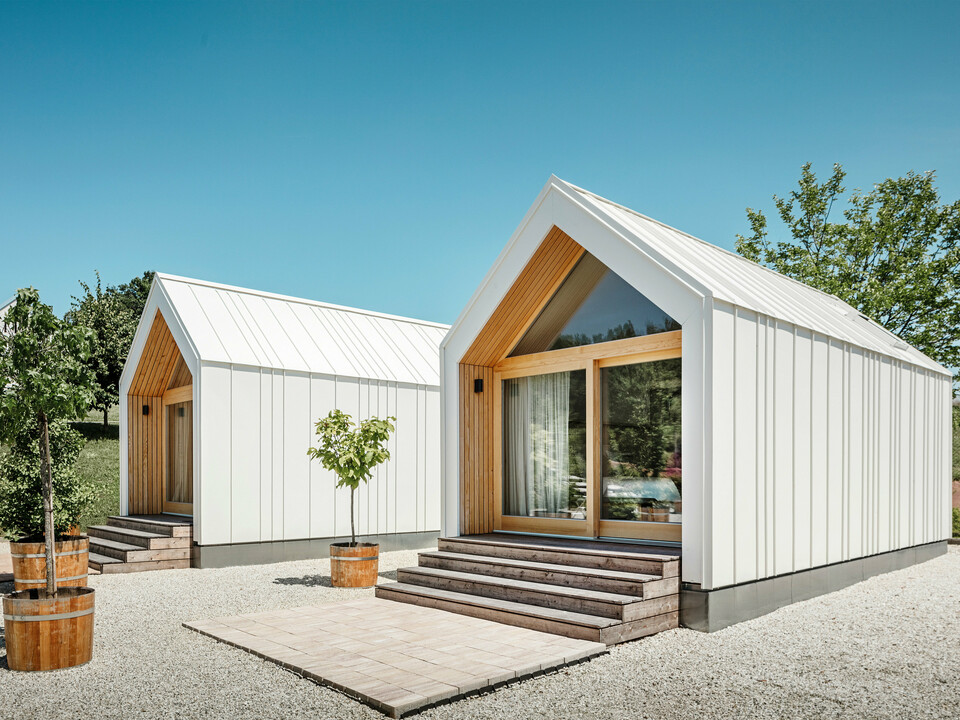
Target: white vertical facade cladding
(257, 483)
(822, 451)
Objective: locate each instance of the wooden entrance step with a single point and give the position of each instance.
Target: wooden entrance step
(558, 622)
(140, 543)
(579, 589)
(640, 585)
(560, 597)
(609, 556)
(168, 525)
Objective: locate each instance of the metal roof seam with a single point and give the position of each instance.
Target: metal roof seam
(304, 301)
(249, 335)
(206, 317)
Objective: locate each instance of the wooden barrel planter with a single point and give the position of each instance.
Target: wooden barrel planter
(30, 562)
(354, 566)
(48, 633)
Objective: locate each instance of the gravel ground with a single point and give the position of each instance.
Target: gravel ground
(885, 648)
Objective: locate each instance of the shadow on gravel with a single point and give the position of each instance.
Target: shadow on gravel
(306, 581)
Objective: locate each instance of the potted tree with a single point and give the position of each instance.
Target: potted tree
(21, 507)
(351, 451)
(43, 381)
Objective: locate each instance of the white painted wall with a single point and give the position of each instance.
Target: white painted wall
(256, 482)
(822, 451)
(799, 450)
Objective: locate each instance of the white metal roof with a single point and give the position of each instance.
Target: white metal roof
(248, 327)
(730, 277)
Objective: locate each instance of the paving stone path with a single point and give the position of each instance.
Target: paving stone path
(396, 657)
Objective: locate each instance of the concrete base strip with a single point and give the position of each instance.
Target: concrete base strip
(712, 610)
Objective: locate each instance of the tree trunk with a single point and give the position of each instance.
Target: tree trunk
(106, 415)
(46, 475)
(353, 535)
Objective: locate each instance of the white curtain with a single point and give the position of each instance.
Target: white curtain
(536, 425)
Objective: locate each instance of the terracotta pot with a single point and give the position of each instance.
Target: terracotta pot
(30, 562)
(354, 566)
(36, 643)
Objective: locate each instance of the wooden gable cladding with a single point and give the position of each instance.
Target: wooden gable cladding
(476, 450)
(531, 291)
(161, 366)
(181, 376)
(539, 280)
(157, 361)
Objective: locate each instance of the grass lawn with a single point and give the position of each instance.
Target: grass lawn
(100, 462)
(956, 442)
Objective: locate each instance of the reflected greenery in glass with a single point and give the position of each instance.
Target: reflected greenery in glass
(642, 453)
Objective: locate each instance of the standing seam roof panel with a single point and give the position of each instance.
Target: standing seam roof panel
(240, 326)
(745, 284)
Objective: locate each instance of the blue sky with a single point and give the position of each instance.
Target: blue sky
(381, 154)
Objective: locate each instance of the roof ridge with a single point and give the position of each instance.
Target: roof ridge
(736, 255)
(293, 299)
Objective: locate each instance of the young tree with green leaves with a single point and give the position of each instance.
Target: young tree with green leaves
(113, 323)
(44, 379)
(351, 451)
(895, 256)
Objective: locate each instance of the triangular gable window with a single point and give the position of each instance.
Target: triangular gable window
(593, 305)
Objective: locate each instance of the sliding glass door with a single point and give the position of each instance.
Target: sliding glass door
(641, 453)
(545, 446)
(588, 442)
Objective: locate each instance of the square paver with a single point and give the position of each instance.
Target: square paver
(396, 657)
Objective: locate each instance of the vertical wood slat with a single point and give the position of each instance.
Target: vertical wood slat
(539, 280)
(476, 450)
(548, 267)
(160, 364)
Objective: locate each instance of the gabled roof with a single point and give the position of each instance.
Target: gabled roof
(248, 327)
(741, 282)
(712, 272)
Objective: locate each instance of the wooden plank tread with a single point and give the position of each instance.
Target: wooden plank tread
(128, 531)
(558, 548)
(544, 588)
(151, 521)
(545, 567)
(114, 545)
(506, 606)
(101, 559)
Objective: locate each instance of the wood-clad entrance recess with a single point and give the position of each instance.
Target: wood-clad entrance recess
(162, 381)
(604, 489)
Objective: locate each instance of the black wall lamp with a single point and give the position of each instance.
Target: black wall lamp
(478, 385)
(146, 409)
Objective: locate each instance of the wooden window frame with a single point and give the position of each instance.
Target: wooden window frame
(173, 397)
(591, 358)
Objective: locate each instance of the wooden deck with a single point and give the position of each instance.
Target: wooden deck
(592, 590)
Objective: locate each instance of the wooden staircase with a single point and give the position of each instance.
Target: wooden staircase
(139, 543)
(581, 589)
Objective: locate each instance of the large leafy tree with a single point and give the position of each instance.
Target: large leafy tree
(894, 255)
(112, 314)
(44, 379)
(133, 294)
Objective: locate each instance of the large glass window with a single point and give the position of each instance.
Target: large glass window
(180, 452)
(545, 445)
(593, 305)
(642, 468)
